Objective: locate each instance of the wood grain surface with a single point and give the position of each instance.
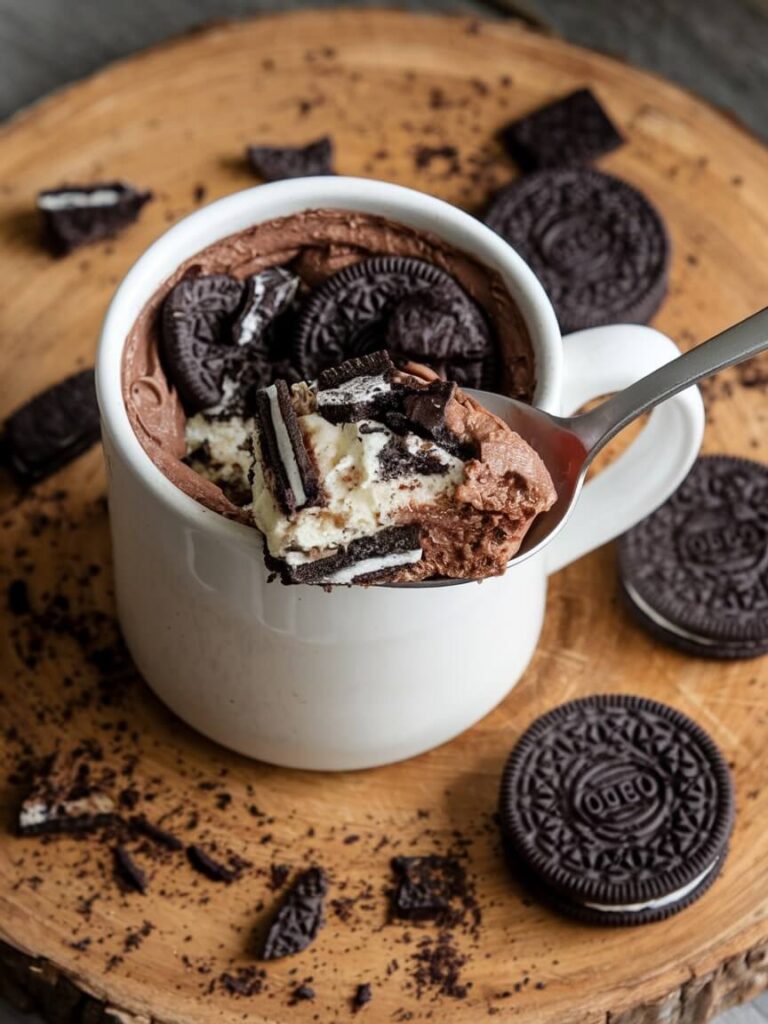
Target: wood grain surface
(386, 85)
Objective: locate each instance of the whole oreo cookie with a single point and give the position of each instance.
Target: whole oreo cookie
(695, 572)
(617, 809)
(196, 337)
(353, 312)
(597, 245)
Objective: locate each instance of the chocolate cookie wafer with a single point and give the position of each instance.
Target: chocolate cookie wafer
(274, 163)
(574, 129)
(282, 444)
(597, 244)
(617, 809)
(52, 428)
(695, 572)
(299, 917)
(371, 559)
(69, 794)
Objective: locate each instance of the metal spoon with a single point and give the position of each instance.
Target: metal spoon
(569, 444)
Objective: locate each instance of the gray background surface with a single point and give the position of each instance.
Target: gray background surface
(718, 48)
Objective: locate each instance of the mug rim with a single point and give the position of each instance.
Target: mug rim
(235, 212)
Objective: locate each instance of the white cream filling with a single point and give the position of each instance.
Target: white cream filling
(368, 565)
(76, 200)
(661, 901)
(228, 443)
(256, 319)
(359, 389)
(357, 502)
(229, 390)
(285, 448)
(670, 627)
(40, 812)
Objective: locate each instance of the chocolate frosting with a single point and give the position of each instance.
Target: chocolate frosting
(317, 243)
(506, 485)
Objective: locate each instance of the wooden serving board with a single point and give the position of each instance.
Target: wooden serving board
(385, 85)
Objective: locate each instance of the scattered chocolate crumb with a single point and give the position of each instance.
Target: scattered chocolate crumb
(134, 939)
(18, 597)
(128, 798)
(428, 888)
(199, 193)
(349, 840)
(302, 994)
(363, 995)
(278, 875)
(128, 872)
(425, 156)
(438, 967)
(245, 981)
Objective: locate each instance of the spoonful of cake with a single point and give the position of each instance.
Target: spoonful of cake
(373, 474)
(567, 445)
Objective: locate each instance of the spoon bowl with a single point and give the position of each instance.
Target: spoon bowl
(567, 445)
(562, 450)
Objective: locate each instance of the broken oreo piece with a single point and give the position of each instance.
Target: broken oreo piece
(348, 314)
(302, 994)
(76, 215)
(363, 995)
(358, 389)
(275, 163)
(295, 482)
(425, 411)
(53, 428)
(267, 295)
(572, 130)
(140, 825)
(206, 865)
(364, 560)
(426, 887)
(409, 456)
(65, 797)
(128, 871)
(438, 326)
(597, 244)
(196, 341)
(617, 809)
(694, 572)
(299, 917)
(371, 365)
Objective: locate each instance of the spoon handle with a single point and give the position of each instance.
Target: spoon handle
(733, 345)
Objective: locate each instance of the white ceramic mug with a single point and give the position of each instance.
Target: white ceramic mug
(359, 676)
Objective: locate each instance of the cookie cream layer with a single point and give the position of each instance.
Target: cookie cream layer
(660, 901)
(358, 500)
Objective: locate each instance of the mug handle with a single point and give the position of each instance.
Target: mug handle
(600, 361)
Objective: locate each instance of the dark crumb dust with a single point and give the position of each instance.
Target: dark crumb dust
(363, 995)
